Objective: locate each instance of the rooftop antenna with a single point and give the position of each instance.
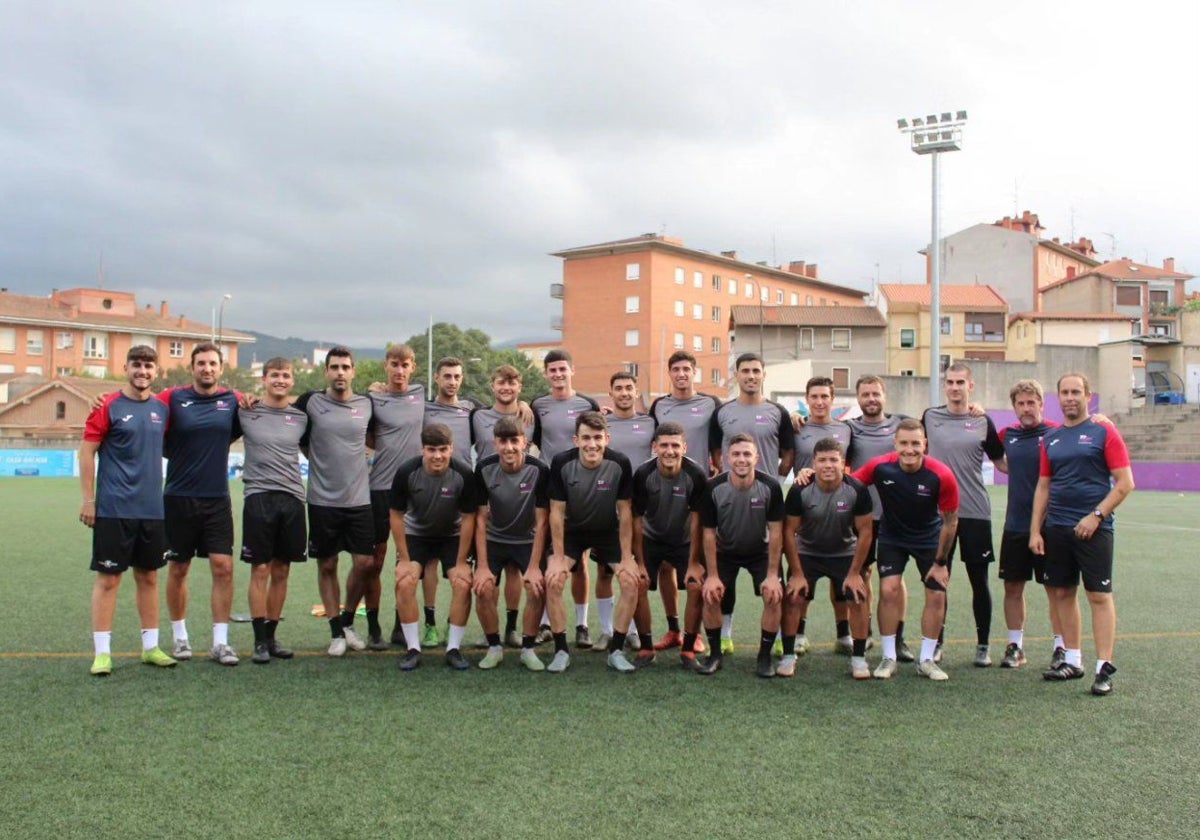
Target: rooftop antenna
(1112, 244)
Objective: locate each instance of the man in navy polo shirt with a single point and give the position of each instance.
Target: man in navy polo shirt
(1085, 475)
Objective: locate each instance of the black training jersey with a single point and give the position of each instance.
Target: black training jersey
(665, 504)
(591, 495)
(741, 515)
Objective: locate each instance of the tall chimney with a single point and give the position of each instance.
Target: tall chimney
(164, 310)
(1169, 263)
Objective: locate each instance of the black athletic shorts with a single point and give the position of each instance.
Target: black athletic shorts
(728, 566)
(381, 513)
(332, 530)
(974, 538)
(119, 544)
(429, 550)
(893, 559)
(1068, 558)
(501, 555)
(873, 551)
(1017, 562)
(605, 547)
(674, 554)
(197, 527)
(273, 528)
(834, 568)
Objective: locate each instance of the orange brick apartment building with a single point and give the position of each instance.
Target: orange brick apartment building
(631, 303)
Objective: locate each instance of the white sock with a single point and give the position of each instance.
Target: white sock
(1075, 657)
(545, 622)
(928, 646)
(1100, 663)
(149, 638)
(455, 637)
(179, 630)
(102, 642)
(412, 635)
(1016, 637)
(220, 634)
(581, 616)
(846, 640)
(889, 646)
(727, 626)
(1059, 643)
(604, 608)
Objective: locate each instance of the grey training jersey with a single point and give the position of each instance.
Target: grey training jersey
(272, 440)
(432, 505)
(337, 449)
(740, 515)
(827, 519)
(458, 418)
(695, 416)
(631, 436)
(960, 441)
(811, 432)
(398, 422)
(591, 495)
(512, 499)
(556, 423)
(664, 504)
(870, 440)
(767, 422)
(483, 422)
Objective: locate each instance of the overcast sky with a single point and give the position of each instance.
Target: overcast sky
(345, 169)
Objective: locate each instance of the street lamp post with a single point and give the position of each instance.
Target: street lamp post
(931, 135)
(221, 320)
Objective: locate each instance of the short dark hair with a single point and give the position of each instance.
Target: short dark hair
(507, 428)
(747, 357)
(437, 434)
(340, 352)
(593, 420)
(557, 355)
(668, 428)
(742, 437)
(621, 374)
(828, 444)
(277, 363)
(447, 361)
(207, 347)
(1087, 385)
(910, 424)
(504, 373)
(142, 353)
(961, 367)
(819, 382)
(399, 351)
(869, 379)
(680, 356)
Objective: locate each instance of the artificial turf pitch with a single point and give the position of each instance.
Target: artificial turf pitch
(353, 747)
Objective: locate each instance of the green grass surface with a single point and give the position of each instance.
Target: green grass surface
(317, 747)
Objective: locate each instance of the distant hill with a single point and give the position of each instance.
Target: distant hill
(268, 346)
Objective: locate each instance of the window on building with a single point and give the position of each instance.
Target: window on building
(794, 299)
(631, 338)
(65, 340)
(764, 294)
(697, 344)
(1160, 296)
(841, 378)
(908, 338)
(64, 371)
(806, 338)
(732, 286)
(1160, 329)
(908, 373)
(698, 311)
(808, 300)
(983, 326)
(7, 369)
(944, 324)
(678, 341)
(841, 338)
(749, 290)
(943, 363)
(716, 376)
(34, 342)
(633, 271)
(35, 369)
(176, 349)
(60, 410)
(149, 341)
(699, 377)
(698, 279)
(8, 340)
(680, 276)
(633, 303)
(1129, 295)
(95, 345)
(716, 345)
(716, 314)
(716, 283)
(779, 296)
(631, 368)
(679, 310)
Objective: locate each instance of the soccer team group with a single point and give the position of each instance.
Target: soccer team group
(683, 499)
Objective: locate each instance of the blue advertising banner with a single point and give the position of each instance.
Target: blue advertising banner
(55, 463)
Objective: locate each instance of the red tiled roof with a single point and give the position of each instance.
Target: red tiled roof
(1124, 269)
(1069, 316)
(809, 316)
(951, 295)
(33, 309)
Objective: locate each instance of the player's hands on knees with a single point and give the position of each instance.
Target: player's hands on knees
(713, 590)
(407, 572)
(772, 591)
(694, 575)
(939, 575)
(556, 571)
(855, 588)
(484, 583)
(533, 581)
(87, 513)
(797, 588)
(461, 573)
(643, 578)
(1036, 544)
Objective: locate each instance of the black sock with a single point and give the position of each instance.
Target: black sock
(766, 642)
(493, 639)
(560, 642)
(579, 627)
(335, 627)
(673, 623)
(860, 647)
(510, 621)
(800, 629)
(899, 633)
(527, 642)
(942, 635)
(647, 641)
(430, 613)
(870, 628)
(689, 642)
(269, 626)
(347, 617)
(617, 643)
(843, 629)
(396, 627)
(260, 630)
(373, 628)
(714, 641)
(789, 645)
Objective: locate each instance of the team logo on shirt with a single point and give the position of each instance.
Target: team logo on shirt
(842, 507)
(186, 404)
(762, 420)
(446, 492)
(525, 486)
(757, 502)
(678, 491)
(922, 490)
(224, 405)
(155, 417)
(288, 419)
(356, 412)
(1086, 439)
(126, 418)
(603, 484)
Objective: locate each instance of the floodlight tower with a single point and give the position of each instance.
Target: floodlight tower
(931, 135)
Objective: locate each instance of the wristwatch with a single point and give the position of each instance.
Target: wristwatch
(1099, 514)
